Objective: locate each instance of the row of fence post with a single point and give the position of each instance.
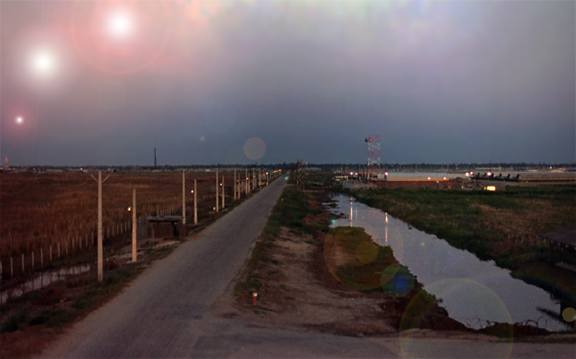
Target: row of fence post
(46, 255)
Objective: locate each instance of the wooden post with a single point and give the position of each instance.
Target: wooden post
(50, 254)
(32, 255)
(41, 258)
(11, 267)
(59, 256)
(22, 263)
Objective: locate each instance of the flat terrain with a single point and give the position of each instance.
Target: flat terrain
(172, 310)
(164, 312)
(169, 311)
(40, 209)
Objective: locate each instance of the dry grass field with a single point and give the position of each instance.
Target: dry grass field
(44, 211)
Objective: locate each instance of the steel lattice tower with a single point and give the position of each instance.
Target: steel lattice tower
(373, 163)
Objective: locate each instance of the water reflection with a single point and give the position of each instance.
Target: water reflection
(42, 280)
(474, 292)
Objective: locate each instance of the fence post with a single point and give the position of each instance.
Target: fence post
(22, 263)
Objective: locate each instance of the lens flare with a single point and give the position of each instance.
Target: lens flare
(254, 148)
(43, 63)
(120, 25)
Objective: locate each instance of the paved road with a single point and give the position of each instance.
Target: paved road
(165, 312)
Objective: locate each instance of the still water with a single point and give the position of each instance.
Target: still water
(473, 292)
(42, 280)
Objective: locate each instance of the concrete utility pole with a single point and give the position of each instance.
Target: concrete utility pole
(195, 205)
(223, 194)
(217, 191)
(183, 196)
(235, 184)
(100, 259)
(134, 227)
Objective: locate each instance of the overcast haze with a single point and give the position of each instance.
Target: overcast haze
(267, 81)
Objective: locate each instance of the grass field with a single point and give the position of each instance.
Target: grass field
(39, 210)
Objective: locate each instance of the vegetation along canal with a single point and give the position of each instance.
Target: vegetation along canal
(474, 292)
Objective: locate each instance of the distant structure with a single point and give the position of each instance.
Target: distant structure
(154, 158)
(373, 162)
(6, 165)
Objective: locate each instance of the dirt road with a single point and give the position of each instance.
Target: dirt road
(166, 311)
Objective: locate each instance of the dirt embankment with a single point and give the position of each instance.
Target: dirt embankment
(299, 287)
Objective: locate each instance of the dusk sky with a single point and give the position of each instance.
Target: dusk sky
(265, 81)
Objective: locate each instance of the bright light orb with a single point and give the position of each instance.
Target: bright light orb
(120, 25)
(19, 120)
(43, 63)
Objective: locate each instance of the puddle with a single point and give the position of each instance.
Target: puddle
(42, 280)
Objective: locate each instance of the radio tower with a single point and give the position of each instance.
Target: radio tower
(373, 163)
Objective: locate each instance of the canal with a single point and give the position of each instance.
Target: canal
(476, 293)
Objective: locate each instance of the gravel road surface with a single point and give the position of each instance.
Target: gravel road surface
(165, 312)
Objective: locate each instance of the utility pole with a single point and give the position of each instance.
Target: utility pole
(100, 259)
(223, 194)
(134, 227)
(246, 180)
(217, 192)
(195, 205)
(235, 184)
(183, 196)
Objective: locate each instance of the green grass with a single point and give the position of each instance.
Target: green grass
(459, 217)
(289, 211)
(375, 269)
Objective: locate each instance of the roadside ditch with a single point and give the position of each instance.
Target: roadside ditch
(304, 275)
